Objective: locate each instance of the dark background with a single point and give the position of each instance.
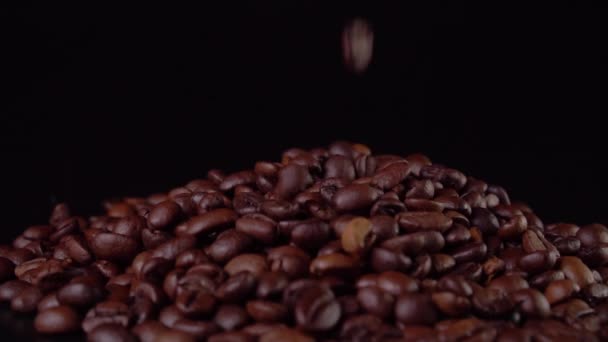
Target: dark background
(105, 100)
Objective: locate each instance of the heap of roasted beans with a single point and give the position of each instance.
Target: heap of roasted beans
(331, 244)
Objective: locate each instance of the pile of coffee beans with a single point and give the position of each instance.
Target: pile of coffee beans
(331, 244)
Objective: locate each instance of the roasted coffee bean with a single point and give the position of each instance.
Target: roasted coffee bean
(284, 334)
(7, 269)
(232, 337)
(237, 287)
(172, 248)
(80, 294)
(388, 206)
(289, 259)
(195, 303)
(415, 308)
(559, 290)
(169, 315)
(396, 283)
(508, 283)
(492, 303)
(485, 220)
(110, 332)
(531, 302)
(266, 311)
(207, 223)
(231, 317)
(474, 251)
(152, 239)
(375, 301)
(27, 300)
(105, 313)
(57, 320)
(48, 301)
(200, 330)
(164, 214)
(358, 236)
(254, 263)
(260, 227)
(389, 260)
(542, 280)
(355, 197)
(417, 221)
(335, 264)
(316, 309)
(228, 245)
(575, 270)
(310, 234)
(457, 235)
(271, 285)
(592, 235)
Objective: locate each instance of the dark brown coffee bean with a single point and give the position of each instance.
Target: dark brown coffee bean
(289, 259)
(531, 302)
(542, 280)
(254, 263)
(284, 334)
(492, 303)
(485, 220)
(172, 248)
(292, 179)
(207, 223)
(266, 311)
(80, 294)
(310, 234)
(164, 215)
(171, 335)
(567, 246)
(375, 301)
(148, 331)
(232, 337)
(416, 243)
(335, 264)
(508, 283)
(331, 247)
(228, 245)
(105, 313)
(474, 251)
(27, 300)
(231, 317)
(235, 179)
(200, 330)
(388, 206)
(151, 239)
(238, 287)
(189, 258)
(389, 260)
(595, 293)
(271, 285)
(457, 235)
(57, 320)
(209, 200)
(195, 303)
(355, 197)
(592, 235)
(388, 176)
(110, 332)
(396, 283)
(316, 309)
(169, 315)
(260, 227)
(442, 263)
(513, 228)
(417, 221)
(415, 308)
(48, 301)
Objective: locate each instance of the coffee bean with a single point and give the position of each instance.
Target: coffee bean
(389, 260)
(271, 285)
(27, 300)
(310, 234)
(316, 309)
(169, 315)
(232, 337)
(415, 308)
(148, 331)
(105, 313)
(334, 264)
(80, 294)
(6, 269)
(164, 214)
(228, 245)
(57, 320)
(531, 302)
(559, 290)
(171, 335)
(291, 260)
(195, 303)
(284, 334)
(254, 263)
(357, 236)
(422, 220)
(266, 311)
(237, 287)
(508, 283)
(355, 197)
(375, 301)
(575, 270)
(396, 283)
(231, 317)
(260, 227)
(110, 332)
(492, 303)
(207, 223)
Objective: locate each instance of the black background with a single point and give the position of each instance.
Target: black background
(111, 100)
